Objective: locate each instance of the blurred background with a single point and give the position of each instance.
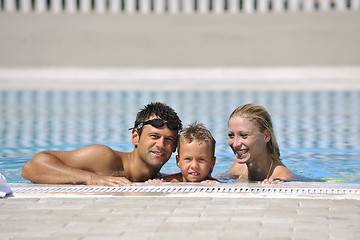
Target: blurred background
(179, 33)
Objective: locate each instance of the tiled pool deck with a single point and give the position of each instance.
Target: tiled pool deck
(231, 211)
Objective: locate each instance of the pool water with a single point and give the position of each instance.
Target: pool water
(318, 131)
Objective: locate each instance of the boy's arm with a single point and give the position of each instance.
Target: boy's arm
(210, 179)
(89, 165)
(177, 177)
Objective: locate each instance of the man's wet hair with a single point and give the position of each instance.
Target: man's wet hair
(158, 110)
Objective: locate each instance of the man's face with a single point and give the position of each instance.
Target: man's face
(155, 145)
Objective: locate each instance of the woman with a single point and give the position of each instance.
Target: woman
(252, 139)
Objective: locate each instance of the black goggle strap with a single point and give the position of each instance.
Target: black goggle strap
(157, 123)
(140, 125)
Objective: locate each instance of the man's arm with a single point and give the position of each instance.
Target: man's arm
(91, 165)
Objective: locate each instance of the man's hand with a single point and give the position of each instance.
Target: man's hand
(209, 181)
(109, 181)
(155, 181)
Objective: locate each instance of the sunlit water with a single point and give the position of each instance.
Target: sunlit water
(318, 132)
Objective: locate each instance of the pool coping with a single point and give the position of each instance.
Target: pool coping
(311, 190)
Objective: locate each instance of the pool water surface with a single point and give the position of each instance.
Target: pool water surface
(318, 131)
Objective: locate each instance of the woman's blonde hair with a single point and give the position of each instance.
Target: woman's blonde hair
(257, 114)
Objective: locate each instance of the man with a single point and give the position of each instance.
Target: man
(154, 136)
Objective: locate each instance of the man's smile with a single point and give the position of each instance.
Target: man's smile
(158, 153)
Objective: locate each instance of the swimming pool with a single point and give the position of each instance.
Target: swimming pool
(318, 131)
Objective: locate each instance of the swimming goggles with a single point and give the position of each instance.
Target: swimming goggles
(158, 123)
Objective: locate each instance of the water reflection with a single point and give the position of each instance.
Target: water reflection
(31, 120)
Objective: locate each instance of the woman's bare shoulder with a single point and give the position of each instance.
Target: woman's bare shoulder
(282, 172)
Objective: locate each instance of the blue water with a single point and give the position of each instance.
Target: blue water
(318, 132)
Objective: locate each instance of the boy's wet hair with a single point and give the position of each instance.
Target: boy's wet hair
(197, 132)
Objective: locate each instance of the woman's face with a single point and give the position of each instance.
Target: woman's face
(246, 140)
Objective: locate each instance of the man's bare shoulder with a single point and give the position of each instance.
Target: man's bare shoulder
(92, 157)
(96, 148)
(97, 151)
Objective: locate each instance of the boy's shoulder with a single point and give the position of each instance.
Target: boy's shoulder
(177, 177)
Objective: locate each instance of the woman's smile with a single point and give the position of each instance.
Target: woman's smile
(240, 153)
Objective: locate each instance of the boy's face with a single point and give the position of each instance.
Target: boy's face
(195, 161)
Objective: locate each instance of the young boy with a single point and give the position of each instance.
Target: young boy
(196, 160)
